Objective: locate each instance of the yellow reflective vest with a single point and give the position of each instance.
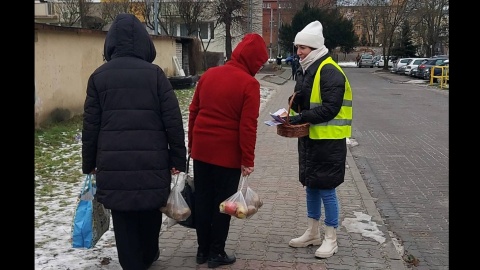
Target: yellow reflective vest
(341, 126)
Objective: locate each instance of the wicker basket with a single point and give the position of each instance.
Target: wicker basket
(292, 131)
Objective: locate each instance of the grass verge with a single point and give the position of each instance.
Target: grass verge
(58, 149)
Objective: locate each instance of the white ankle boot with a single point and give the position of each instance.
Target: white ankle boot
(310, 237)
(329, 244)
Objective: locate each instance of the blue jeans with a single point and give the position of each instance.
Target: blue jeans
(315, 197)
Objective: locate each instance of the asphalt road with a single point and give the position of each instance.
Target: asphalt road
(402, 130)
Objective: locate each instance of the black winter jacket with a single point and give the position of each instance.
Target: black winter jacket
(132, 125)
(321, 162)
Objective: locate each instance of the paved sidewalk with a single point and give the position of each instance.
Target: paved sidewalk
(261, 242)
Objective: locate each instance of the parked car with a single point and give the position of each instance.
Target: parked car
(435, 61)
(376, 58)
(366, 60)
(412, 66)
(401, 70)
(437, 71)
(289, 60)
(413, 73)
(399, 65)
(381, 61)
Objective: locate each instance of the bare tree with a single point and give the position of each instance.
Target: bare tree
(370, 20)
(111, 8)
(390, 15)
(235, 17)
(72, 12)
(146, 10)
(191, 13)
(230, 13)
(171, 13)
(431, 24)
(165, 15)
(298, 4)
(383, 20)
(205, 46)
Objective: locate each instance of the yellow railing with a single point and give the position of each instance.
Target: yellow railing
(443, 77)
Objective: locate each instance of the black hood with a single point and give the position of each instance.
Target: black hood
(128, 37)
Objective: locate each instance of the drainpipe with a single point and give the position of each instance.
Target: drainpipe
(271, 30)
(278, 27)
(155, 16)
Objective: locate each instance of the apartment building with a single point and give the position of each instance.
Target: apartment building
(212, 36)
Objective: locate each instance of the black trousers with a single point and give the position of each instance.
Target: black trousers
(136, 236)
(213, 184)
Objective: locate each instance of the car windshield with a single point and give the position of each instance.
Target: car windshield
(367, 57)
(435, 62)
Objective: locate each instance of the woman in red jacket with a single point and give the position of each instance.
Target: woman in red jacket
(222, 133)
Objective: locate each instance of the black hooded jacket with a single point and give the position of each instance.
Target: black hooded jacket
(321, 162)
(132, 125)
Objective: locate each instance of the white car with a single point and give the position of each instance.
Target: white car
(375, 60)
(399, 65)
(381, 62)
(413, 65)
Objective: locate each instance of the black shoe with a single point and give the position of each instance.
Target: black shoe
(201, 258)
(221, 259)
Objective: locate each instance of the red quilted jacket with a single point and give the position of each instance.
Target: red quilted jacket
(222, 128)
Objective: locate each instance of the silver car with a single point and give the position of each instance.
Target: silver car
(399, 65)
(366, 61)
(412, 66)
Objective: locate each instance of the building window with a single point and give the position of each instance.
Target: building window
(204, 31)
(183, 30)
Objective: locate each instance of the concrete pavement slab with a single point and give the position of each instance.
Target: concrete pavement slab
(261, 242)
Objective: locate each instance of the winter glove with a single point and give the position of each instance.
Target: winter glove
(295, 104)
(298, 98)
(295, 119)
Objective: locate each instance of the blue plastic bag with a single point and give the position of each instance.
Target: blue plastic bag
(90, 219)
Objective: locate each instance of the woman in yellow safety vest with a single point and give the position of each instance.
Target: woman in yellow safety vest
(323, 99)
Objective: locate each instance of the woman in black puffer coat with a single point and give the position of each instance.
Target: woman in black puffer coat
(323, 99)
(133, 139)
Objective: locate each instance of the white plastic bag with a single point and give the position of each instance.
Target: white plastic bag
(177, 208)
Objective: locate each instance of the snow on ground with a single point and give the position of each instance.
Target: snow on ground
(53, 216)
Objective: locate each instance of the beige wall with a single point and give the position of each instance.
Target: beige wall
(65, 58)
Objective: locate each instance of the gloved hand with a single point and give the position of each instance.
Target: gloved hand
(298, 98)
(295, 119)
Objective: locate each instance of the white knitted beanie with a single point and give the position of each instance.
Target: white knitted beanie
(311, 36)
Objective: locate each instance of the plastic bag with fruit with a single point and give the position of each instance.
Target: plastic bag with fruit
(235, 205)
(176, 208)
(243, 204)
(252, 199)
